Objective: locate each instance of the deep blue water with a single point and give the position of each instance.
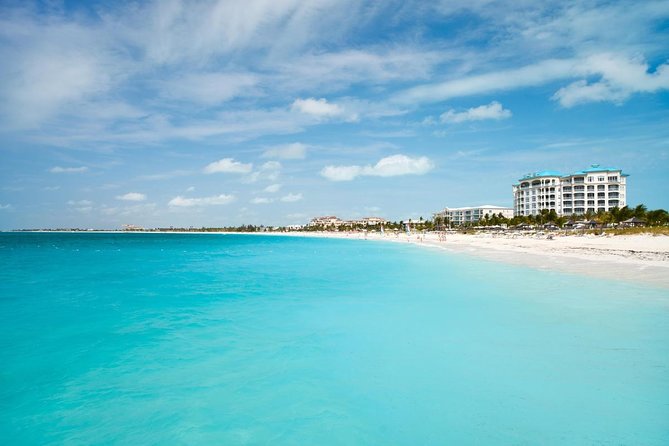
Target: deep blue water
(233, 339)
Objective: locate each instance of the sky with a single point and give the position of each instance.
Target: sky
(221, 113)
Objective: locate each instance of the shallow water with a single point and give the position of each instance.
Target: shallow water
(233, 339)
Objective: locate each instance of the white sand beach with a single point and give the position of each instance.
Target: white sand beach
(636, 258)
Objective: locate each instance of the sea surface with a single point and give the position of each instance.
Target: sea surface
(140, 339)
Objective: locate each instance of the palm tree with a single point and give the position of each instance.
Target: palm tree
(640, 211)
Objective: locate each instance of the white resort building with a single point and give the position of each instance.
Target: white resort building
(469, 215)
(331, 221)
(590, 190)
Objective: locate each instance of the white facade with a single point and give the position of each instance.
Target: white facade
(469, 215)
(329, 220)
(370, 221)
(593, 189)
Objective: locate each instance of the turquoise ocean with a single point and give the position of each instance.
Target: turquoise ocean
(141, 339)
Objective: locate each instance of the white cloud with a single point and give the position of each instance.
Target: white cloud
(271, 165)
(322, 109)
(620, 78)
(51, 188)
(494, 110)
(261, 200)
(132, 196)
(5, 206)
(190, 189)
(165, 175)
(180, 201)
(291, 198)
(335, 70)
(80, 203)
(291, 151)
(58, 169)
(394, 165)
(341, 173)
(272, 188)
(228, 165)
(210, 88)
(268, 171)
(527, 76)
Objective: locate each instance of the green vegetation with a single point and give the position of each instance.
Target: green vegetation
(613, 218)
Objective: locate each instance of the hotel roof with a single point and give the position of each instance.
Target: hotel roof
(543, 173)
(555, 173)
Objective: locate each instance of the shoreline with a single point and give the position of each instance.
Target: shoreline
(641, 259)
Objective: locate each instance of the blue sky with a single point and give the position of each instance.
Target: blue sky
(272, 112)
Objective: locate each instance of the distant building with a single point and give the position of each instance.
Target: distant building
(327, 221)
(331, 221)
(132, 228)
(593, 189)
(470, 215)
(370, 221)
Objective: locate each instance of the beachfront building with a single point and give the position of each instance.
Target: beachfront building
(471, 215)
(370, 221)
(328, 221)
(331, 221)
(591, 190)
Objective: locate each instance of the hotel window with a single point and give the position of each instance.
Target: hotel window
(590, 179)
(613, 178)
(600, 178)
(591, 188)
(601, 187)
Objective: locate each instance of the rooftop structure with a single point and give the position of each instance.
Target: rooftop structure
(590, 190)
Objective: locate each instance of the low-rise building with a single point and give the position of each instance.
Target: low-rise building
(326, 221)
(370, 221)
(471, 215)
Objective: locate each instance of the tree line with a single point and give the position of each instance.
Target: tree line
(656, 217)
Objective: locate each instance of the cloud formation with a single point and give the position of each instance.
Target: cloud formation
(493, 111)
(272, 188)
(58, 169)
(322, 109)
(395, 165)
(293, 151)
(228, 165)
(261, 200)
(180, 201)
(620, 78)
(131, 196)
(291, 198)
